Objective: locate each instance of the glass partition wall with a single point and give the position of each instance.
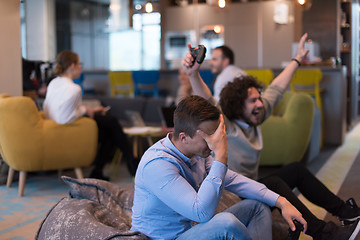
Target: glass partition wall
(105, 36)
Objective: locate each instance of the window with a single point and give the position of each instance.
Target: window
(137, 48)
(23, 29)
(90, 29)
(85, 28)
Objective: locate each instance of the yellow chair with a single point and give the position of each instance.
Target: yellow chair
(308, 80)
(263, 75)
(286, 134)
(121, 83)
(29, 142)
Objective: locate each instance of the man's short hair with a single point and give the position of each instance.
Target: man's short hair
(190, 112)
(227, 53)
(234, 94)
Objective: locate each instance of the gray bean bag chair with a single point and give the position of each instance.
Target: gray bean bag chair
(98, 209)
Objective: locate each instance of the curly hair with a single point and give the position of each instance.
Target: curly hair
(190, 112)
(64, 60)
(234, 94)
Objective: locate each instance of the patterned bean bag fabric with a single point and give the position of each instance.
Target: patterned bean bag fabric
(98, 209)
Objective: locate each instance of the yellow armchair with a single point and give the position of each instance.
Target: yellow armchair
(29, 142)
(286, 134)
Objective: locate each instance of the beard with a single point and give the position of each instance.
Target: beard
(215, 70)
(258, 113)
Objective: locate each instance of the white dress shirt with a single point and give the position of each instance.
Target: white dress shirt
(63, 101)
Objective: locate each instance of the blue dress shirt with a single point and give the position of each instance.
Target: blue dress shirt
(172, 190)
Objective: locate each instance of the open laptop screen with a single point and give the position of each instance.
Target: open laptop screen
(167, 116)
(135, 118)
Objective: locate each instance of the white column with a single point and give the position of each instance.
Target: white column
(10, 48)
(40, 30)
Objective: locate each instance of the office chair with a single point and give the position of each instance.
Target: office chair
(145, 83)
(121, 83)
(79, 81)
(263, 75)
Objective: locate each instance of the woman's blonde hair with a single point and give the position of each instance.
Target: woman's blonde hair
(64, 60)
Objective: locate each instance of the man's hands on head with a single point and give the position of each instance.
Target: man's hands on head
(290, 213)
(217, 141)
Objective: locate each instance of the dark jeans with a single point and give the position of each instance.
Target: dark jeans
(111, 136)
(297, 175)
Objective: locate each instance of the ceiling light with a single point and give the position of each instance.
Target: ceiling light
(221, 3)
(217, 29)
(138, 7)
(148, 7)
(301, 2)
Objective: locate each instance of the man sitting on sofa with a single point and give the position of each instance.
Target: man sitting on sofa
(244, 109)
(180, 180)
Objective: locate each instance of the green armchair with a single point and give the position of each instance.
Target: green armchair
(286, 134)
(29, 142)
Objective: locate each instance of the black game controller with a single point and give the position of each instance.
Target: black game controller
(294, 235)
(198, 53)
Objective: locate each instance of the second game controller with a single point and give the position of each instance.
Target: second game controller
(198, 53)
(294, 235)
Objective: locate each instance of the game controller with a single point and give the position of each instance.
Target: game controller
(198, 53)
(294, 235)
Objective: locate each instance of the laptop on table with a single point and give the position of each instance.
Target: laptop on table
(167, 117)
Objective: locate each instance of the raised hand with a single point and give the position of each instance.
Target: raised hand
(301, 51)
(190, 67)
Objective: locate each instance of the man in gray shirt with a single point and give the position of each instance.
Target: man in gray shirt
(244, 109)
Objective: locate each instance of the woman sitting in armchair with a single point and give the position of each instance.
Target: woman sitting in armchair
(63, 104)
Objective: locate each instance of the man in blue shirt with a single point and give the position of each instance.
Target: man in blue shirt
(180, 180)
